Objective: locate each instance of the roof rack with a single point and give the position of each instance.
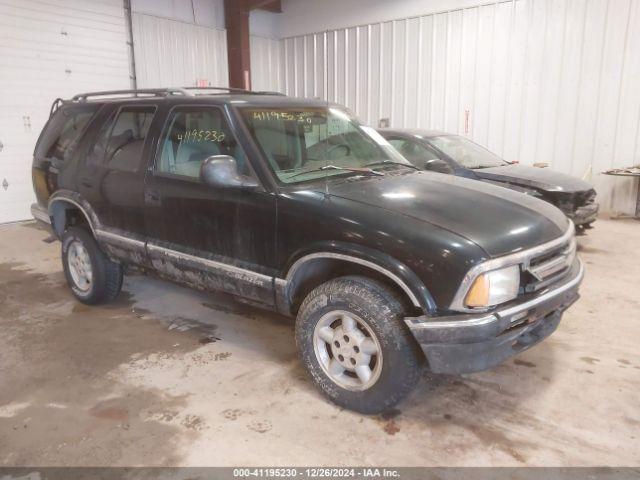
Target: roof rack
(225, 89)
(154, 92)
(55, 105)
(236, 90)
(163, 92)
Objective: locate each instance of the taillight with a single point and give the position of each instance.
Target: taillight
(40, 185)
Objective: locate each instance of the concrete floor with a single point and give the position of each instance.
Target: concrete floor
(169, 376)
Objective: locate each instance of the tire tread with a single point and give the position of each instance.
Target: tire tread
(108, 275)
(388, 307)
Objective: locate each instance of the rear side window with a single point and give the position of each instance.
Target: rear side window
(120, 142)
(62, 133)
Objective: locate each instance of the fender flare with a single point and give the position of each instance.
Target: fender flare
(401, 275)
(74, 199)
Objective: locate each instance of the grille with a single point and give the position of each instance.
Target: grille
(548, 267)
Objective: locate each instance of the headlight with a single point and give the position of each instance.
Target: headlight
(494, 287)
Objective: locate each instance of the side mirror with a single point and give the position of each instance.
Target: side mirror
(221, 171)
(438, 165)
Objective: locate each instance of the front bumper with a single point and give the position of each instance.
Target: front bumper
(585, 214)
(475, 342)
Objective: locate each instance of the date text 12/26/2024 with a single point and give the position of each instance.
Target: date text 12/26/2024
(316, 473)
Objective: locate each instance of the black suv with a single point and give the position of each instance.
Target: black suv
(292, 205)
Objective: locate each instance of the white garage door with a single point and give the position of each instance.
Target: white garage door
(50, 49)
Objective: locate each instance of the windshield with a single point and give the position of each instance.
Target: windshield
(465, 152)
(300, 143)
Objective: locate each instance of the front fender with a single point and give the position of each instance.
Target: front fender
(396, 271)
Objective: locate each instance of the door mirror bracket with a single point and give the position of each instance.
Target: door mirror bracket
(221, 171)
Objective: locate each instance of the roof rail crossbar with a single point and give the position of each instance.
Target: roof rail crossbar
(235, 90)
(226, 89)
(157, 92)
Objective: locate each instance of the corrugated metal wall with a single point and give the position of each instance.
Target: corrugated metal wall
(266, 64)
(171, 53)
(50, 49)
(552, 81)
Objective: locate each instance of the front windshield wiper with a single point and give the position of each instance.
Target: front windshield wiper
(365, 170)
(480, 167)
(390, 162)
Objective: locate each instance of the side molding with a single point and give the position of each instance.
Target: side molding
(224, 269)
(120, 240)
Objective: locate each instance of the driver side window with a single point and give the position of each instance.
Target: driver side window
(194, 134)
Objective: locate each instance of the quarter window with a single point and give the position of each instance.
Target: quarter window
(63, 132)
(194, 134)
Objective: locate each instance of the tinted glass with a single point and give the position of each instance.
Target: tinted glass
(97, 152)
(194, 134)
(413, 151)
(302, 144)
(63, 132)
(465, 152)
(124, 149)
(120, 142)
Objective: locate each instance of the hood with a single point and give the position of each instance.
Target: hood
(499, 220)
(539, 178)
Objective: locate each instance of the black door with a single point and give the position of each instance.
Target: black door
(111, 177)
(211, 238)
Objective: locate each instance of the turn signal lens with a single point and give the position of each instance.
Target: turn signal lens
(492, 288)
(478, 295)
(40, 185)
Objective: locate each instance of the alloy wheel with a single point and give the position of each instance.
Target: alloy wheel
(348, 350)
(79, 264)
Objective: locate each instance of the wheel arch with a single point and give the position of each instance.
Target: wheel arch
(311, 269)
(68, 208)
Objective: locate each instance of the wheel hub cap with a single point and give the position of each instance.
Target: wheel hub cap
(346, 347)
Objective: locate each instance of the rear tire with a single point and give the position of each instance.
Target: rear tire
(92, 277)
(352, 339)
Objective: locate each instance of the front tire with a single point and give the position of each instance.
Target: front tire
(352, 339)
(92, 277)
